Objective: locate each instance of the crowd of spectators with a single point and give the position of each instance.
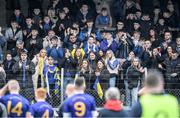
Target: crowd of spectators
(94, 39)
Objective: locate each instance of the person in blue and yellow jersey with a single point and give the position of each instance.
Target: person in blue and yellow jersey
(52, 77)
(153, 103)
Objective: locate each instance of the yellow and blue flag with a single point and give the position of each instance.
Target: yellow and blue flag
(98, 88)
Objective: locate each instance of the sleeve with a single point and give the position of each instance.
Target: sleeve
(93, 109)
(66, 112)
(2, 99)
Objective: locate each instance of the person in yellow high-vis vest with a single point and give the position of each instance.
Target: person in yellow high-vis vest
(153, 103)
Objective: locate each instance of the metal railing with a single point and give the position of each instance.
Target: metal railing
(56, 99)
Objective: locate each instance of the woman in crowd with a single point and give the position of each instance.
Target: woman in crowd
(133, 78)
(102, 74)
(113, 65)
(87, 72)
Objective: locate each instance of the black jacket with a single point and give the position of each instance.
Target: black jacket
(8, 69)
(133, 76)
(18, 71)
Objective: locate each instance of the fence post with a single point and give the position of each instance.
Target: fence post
(62, 85)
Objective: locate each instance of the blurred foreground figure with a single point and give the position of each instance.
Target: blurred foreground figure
(80, 104)
(16, 105)
(113, 106)
(164, 105)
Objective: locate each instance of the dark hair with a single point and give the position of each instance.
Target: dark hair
(153, 78)
(79, 82)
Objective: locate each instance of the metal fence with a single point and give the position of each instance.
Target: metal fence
(56, 99)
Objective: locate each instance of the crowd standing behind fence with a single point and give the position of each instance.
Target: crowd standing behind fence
(101, 45)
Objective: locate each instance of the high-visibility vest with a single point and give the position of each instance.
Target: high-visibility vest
(159, 106)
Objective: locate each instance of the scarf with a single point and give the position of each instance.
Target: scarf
(115, 105)
(40, 66)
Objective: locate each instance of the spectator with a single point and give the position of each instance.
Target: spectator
(156, 59)
(137, 45)
(8, 64)
(113, 65)
(146, 23)
(156, 15)
(87, 31)
(154, 38)
(71, 42)
(46, 25)
(125, 45)
(28, 28)
(18, 17)
(52, 78)
(18, 49)
(78, 55)
(62, 24)
(47, 39)
(177, 45)
(154, 95)
(167, 41)
(83, 15)
(91, 45)
(40, 61)
(34, 43)
(2, 44)
(113, 106)
(172, 66)
(13, 34)
(70, 67)
(52, 14)
(55, 50)
(37, 15)
(108, 43)
(86, 72)
(103, 20)
(102, 74)
(147, 54)
(10, 6)
(24, 69)
(132, 83)
(120, 26)
(92, 57)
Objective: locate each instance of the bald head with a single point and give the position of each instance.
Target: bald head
(13, 85)
(70, 89)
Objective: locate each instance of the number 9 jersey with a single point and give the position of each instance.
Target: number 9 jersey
(80, 105)
(16, 105)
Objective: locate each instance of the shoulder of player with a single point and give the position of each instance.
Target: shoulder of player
(89, 96)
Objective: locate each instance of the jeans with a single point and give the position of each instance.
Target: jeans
(112, 82)
(131, 94)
